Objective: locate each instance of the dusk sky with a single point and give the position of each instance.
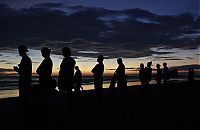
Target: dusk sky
(136, 30)
(156, 6)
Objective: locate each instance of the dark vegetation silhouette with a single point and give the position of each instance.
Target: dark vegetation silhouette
(24, 69)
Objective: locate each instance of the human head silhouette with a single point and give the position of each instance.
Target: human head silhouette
(66, 52)
(141, 65)
(157, 66)
(45, 52)
(76, 67)
(22, 50)
(119, 60)
(149, 64)
(100, 58)
(165, 64)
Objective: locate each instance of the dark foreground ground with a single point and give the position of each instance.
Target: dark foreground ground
(175, 106)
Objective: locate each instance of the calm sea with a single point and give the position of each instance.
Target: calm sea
(9, 84)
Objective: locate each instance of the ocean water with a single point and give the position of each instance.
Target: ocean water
(9, 84)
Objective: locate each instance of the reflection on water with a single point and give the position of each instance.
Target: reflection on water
(9, 93)
(15, 93)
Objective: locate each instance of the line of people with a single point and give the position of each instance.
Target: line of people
(145, 74)
(66, 77)
(68, 80)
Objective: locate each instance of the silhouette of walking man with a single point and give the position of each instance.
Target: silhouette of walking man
(121, 78)
(158, 74)
(165, 73)
(66, 73)
(78, 80)
(98, 78)
(24, 70)
(45, 70)
(148, 73)
(142, 74)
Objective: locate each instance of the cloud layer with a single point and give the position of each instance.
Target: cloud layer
(114, 33)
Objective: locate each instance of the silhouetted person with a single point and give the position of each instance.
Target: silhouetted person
(45, 70)
(142, 74)
(24, 70)
(121, 78)
(98, 78)
(165, 73)
(158, 74)
(78, 80)
(66, 73)
(190, 75)
(148, 73)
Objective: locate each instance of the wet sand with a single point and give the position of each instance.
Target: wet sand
(175, 106)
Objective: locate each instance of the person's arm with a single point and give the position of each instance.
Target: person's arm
(94, 69)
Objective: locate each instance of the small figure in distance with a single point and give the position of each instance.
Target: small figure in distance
(191, 75)
(148, 73)
(165, 73)
(78, 80)
(142, 74)
(45, 70)
(98, 78)
(158, 75)
(24, 69)
(66, 73)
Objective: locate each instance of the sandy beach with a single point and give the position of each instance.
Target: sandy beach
(175, 106)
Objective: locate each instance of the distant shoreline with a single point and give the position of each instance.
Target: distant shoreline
(13, 92)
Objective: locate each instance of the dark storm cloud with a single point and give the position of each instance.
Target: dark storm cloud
(126, 34)
(49, 5)
(156, 6)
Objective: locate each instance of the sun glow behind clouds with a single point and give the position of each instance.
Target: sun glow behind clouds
(175, 57)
